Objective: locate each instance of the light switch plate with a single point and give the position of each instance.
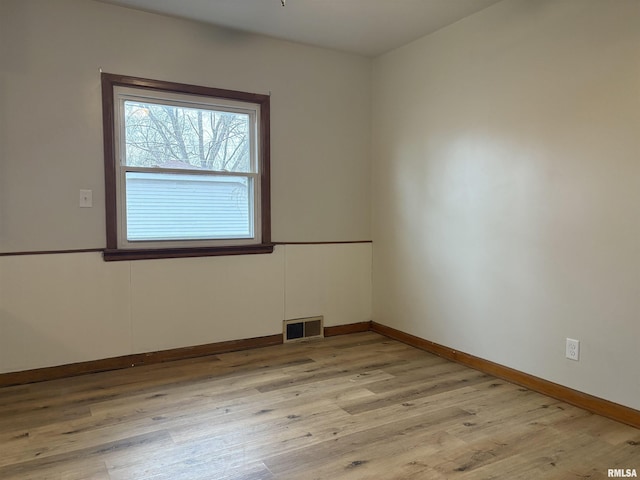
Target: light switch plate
(86, 198)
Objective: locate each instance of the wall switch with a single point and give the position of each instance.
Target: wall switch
(573, 349)
(86, 198)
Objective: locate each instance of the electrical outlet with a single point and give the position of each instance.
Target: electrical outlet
(573, 349)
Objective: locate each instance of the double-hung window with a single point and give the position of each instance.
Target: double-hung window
(187, 170)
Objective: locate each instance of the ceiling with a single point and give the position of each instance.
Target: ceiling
(366, 27)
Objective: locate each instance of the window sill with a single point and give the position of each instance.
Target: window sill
(113, 255)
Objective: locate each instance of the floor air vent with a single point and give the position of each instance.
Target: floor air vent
(303, 328)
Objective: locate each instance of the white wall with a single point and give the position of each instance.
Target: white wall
(506, 190)
(67, 308)
(331, 280)
(51, 117)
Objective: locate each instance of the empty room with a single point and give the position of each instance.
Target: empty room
(319, 239)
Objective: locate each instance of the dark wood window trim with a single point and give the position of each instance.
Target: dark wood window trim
(180, 252)
(147, 254)
(112, 252)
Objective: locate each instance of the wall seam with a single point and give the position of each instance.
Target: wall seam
(131, 307)
(284, 283)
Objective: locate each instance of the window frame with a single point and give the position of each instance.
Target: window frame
(187, 248)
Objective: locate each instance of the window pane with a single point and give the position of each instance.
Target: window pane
(187, 207)
(169, 136)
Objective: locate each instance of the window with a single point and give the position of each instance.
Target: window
(186, 170)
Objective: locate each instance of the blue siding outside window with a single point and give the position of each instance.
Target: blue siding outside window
(167, 206)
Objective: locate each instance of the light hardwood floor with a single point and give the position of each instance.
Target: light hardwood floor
(357, 406)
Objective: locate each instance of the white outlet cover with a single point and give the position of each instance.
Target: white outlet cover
(573, 349)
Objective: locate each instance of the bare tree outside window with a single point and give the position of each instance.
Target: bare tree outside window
(166, 136)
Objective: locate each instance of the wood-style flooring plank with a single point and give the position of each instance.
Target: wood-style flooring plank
(357, 406)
